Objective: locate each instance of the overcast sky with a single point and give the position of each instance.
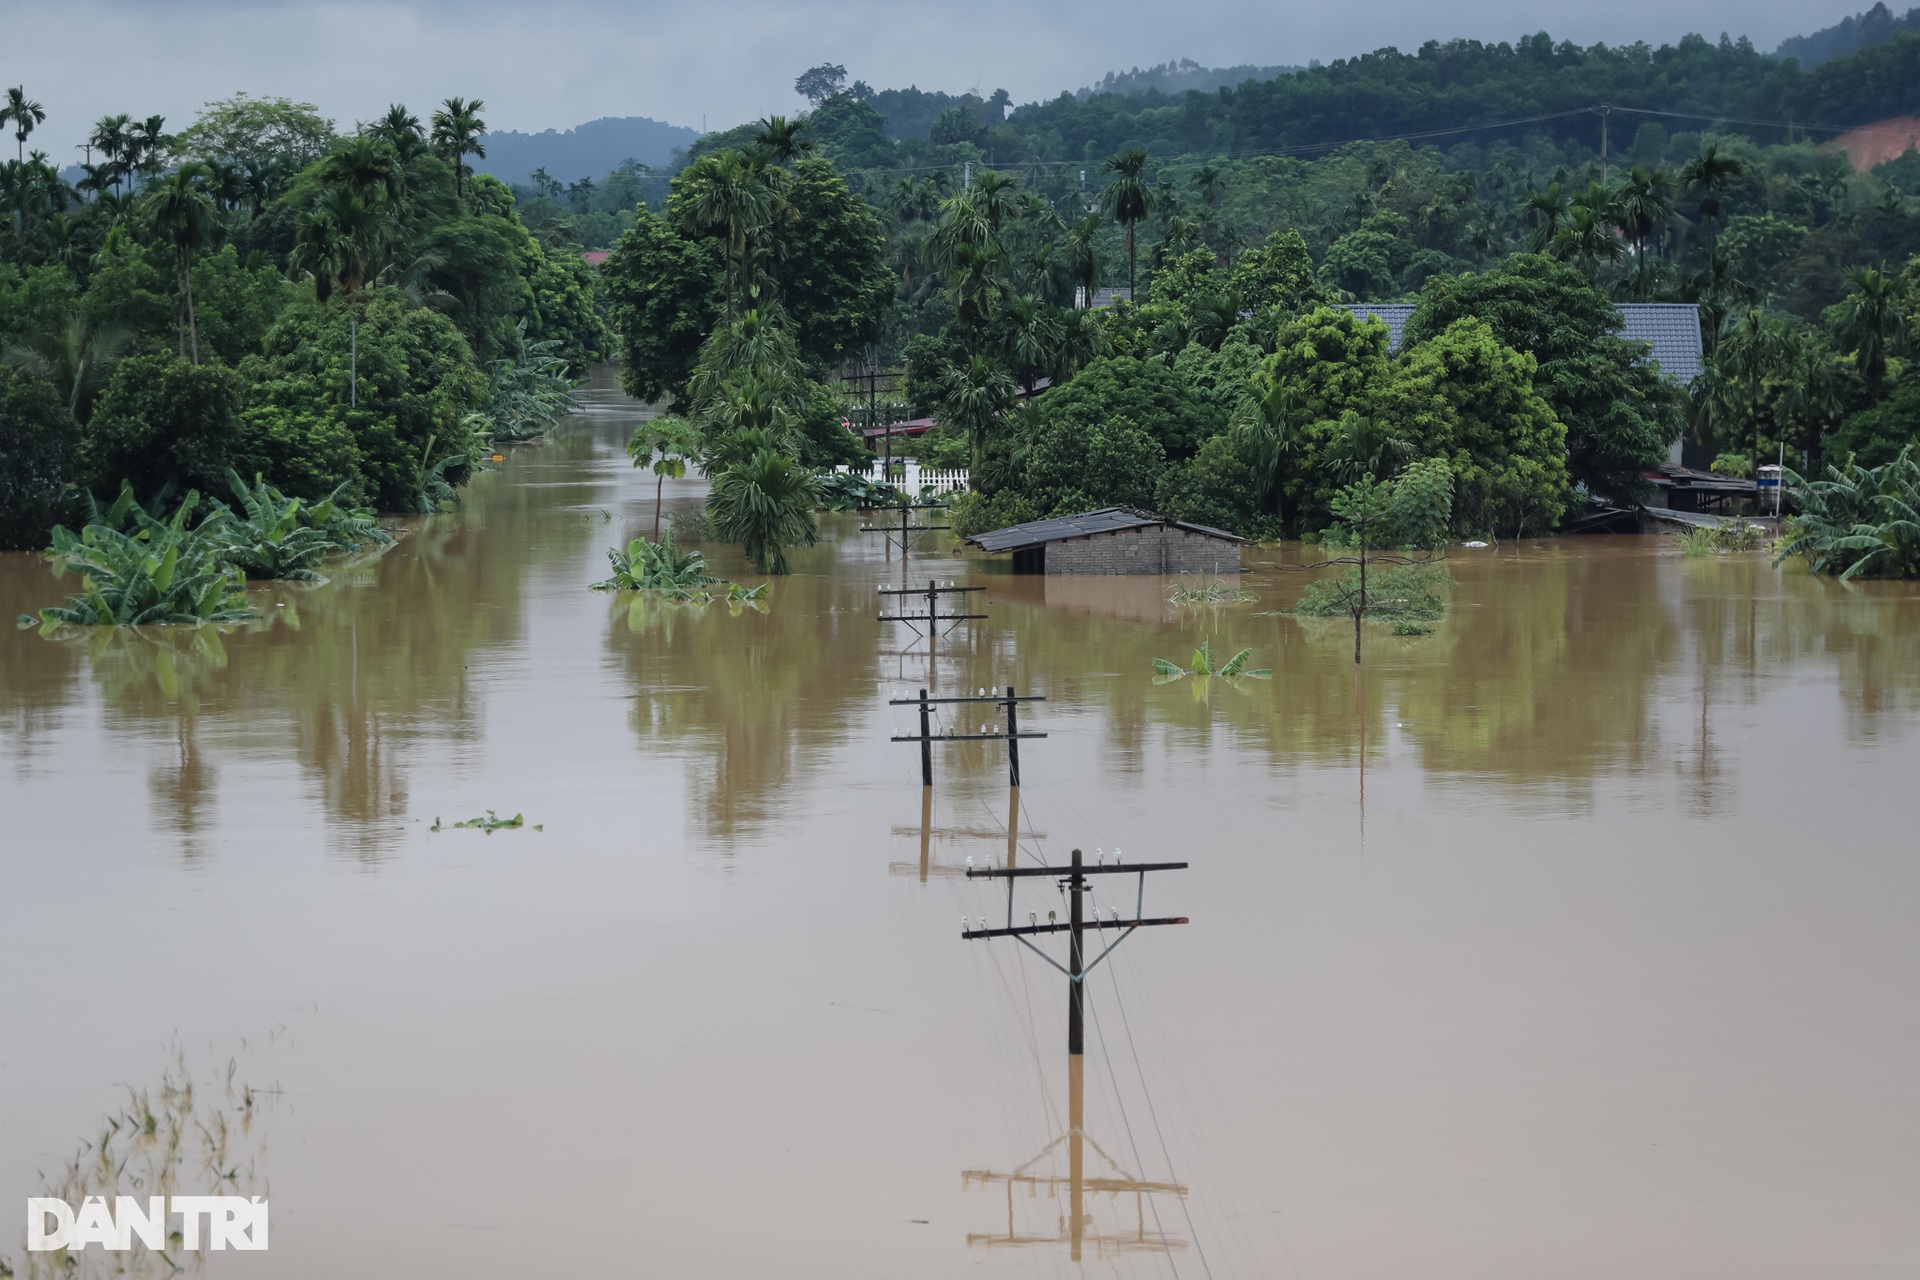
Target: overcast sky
(558, 63)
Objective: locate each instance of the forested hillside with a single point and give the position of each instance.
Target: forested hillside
(1849, 35)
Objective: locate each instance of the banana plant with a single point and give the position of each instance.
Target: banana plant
(660, 567)
(164, 574)
(274, 536)
(1166, 672)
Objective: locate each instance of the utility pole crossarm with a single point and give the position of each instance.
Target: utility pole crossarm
(933, 617)
(993, 698)
(965, 737)
(1025, 930)
(1102, 868)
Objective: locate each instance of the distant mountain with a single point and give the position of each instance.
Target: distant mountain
(1174, 78)
(1849, 35)
(591, 150)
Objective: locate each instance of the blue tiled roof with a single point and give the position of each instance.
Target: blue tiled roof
(1672, 329)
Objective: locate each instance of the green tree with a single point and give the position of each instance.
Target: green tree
(666, 444)
(1127, 198)
(830, 269)
(1365, 261)
(182, 214)
(1147, 393)
(973, 397)
(1277, 276)
(732, 195)
(665, 296)
(267, 136)
(457, 130)
(1709, 176)
(417, 384)
(1266, 423)
(1464, 396)
(23, 113)
(765, 502)
(1071, 468)
(1083, 257)
(785, 140)
(1620, 416)
(1336, 364)
(565, 308)
(36, 458)
(161, 421)
(1587, 237)
(1869, 325)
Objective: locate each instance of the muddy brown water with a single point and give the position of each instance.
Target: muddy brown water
(1577, 939)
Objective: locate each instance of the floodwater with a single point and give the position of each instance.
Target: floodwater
(1576, 940)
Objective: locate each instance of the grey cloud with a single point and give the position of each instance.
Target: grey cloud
(555, 65)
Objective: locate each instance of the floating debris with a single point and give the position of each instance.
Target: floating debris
(489, 824)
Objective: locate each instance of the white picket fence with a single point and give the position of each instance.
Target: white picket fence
(910, 476)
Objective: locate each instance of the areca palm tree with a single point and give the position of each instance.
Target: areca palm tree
(730, 193)
(785, 140)
(1711, 175)
(1127, 198)
(182, 213)
(367, 166)
(150, 145)
(24, 113)
(1546, 212)
(1871, 325)
(1265, 422)
(765, 502)
(1082, 341)
(1210, 184)
(1029, 337)
(1644, 205)
(457, 129)
(1083, 258)
(973, 396)
(1751, 346)
(402, 131)
(112, 137)
(1587, 237)
(348, 235)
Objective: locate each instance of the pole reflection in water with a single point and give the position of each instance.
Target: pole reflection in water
(1075, 1222)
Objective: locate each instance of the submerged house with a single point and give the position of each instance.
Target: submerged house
(1115, 540)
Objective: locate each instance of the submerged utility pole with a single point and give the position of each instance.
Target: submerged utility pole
(1072, 880)
(932, 617)
(906, 531)
(926, 737)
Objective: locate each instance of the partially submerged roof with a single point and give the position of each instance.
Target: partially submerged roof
(1106, 520)
(1672, 329)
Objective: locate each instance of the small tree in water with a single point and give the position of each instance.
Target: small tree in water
(764, 500)
(1411, 514)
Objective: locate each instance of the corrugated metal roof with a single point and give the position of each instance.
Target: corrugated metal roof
(1672, 329)
(1106, 520)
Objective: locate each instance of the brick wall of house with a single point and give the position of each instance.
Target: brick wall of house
(1153, 550)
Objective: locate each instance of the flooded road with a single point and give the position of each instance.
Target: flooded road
(1575, 940)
